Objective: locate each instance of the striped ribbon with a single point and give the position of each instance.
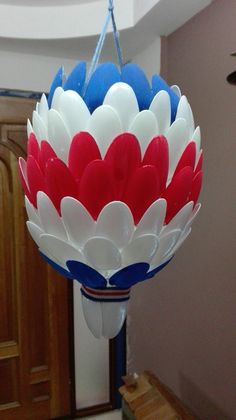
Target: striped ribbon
(109, 294)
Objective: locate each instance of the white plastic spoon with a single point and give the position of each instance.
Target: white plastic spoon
(153, 219)
(79, 225)
(144, 126)
(122, 98)
(104, 125)
(116, 223)
(73, 111)
(50, 219)
(102, 254)
(141, 249)
(113, 317)
(58, 134)
(160, 106)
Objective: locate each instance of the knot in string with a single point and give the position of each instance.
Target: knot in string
(100, 43)
(110, 6)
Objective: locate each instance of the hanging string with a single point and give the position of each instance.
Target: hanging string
(99, 47)
(116, 35)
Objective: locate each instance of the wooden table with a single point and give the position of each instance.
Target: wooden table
(147, 398)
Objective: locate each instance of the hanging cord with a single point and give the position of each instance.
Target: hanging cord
(116, 35)
(98, 50)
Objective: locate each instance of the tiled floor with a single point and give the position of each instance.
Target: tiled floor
(112, 415)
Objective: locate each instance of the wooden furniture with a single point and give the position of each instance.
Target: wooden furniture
(146, 398)
(34, 349)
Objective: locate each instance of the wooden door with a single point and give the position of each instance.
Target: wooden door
(34, 355)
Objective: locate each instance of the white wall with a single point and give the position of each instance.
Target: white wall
(62, 21)
(150, 58)
(28, 71)
(32, 39)
(25, 70)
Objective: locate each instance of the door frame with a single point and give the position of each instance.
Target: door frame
(12, 112)
(117, 368)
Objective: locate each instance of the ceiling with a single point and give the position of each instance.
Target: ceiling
(43, 3)
(26, 25)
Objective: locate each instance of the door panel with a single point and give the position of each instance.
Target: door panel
(34, 350)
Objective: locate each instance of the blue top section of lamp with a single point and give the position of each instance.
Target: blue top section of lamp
(94, 90)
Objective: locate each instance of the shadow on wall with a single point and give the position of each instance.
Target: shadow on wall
(201, 405)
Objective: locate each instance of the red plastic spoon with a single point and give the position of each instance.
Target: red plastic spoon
(33, 147)
(83, 150)
(142, 190)
(188, 158)
(123, 157)
(59, 182)
(157, 154)
(96, 187)
(196, 187)
(24, 179)
(35, 178)
(177, 192)
(46, 153)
